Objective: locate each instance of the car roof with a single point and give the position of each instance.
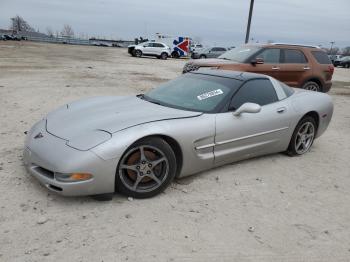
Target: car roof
(238, 75)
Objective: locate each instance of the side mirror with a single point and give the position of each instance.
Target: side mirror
(247, 108)
(257, 61)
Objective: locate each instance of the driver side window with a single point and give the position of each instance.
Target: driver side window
(270, 55)
(258, 91)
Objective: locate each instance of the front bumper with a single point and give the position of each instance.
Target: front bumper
(48, 155)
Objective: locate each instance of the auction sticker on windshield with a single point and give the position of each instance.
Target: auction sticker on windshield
(210, 94)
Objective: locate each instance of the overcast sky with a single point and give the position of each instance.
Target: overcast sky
(221, 22)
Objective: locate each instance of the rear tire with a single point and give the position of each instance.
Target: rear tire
(312, 86)
(303, 137)
(164, 56)
(202, 57)
(138, 53)
(146, 168)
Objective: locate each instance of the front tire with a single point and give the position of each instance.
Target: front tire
(146, 168)
(138, 53)
(202, 57)
(303, 137)
(175, 54)
(312, 86)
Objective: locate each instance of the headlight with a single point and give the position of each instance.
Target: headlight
(89, 139)
(73, 177)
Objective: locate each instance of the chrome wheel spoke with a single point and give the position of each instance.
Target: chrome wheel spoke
(130, 167)
(156, 162)
(298, 144)
(137, 181)
(142, 152)
(154, 177)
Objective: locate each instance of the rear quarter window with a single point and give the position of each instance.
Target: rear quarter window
(294, 56)
(321, 57)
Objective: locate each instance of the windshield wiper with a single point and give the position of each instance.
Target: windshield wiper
(224, 58)
(141, 96)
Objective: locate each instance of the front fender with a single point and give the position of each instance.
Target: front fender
(189, 133)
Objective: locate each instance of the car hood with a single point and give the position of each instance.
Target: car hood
(213, 62)
(107, 115)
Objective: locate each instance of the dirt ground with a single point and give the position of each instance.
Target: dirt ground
(273, 208)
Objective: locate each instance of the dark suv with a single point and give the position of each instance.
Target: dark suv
(302, 66)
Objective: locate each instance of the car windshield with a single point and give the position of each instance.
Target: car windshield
(240, 54)
(194, 92)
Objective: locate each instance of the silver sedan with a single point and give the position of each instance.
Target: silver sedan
(138, 144)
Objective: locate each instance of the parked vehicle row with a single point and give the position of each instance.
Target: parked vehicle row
(211, 52)
(343, 61)
(12, 37)
(307, 67)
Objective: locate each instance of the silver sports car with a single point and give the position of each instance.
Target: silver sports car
(137, 144)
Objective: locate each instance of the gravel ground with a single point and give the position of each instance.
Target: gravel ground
(272, 208)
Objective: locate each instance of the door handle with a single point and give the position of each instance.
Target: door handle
(281, 110)
(275, 68)
(306, 68)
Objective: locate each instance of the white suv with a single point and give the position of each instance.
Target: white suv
(156, 49)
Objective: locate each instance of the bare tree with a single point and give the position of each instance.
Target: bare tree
(49, 31)
(335, 50)
(20, 25)
(346, 51)
(67, 31)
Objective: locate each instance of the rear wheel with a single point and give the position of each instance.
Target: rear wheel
(146, 168)
(347, 65)
(312, 86)
(202, 57)
(303, 136)
(163, 56)
(138, 53)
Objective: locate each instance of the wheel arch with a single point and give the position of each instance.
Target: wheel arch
(314, 115)
(314, 79)
(175, 146)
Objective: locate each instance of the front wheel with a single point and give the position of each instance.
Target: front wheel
(312, 86)
(146, 168)
(175, 54)
(303, 137)
(138, 53)
(202, 57)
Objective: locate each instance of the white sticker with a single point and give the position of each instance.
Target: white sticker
(210, 94)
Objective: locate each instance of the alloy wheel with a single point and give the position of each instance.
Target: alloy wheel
(312, 87)
(304, 138)
(143, 169)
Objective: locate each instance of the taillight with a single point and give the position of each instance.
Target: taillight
(331, 69)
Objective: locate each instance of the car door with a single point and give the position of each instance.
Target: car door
(294, 66)
(148, 49)
(219, 51)
(210, 53)
(270, 64)
(158, 48)
(252, 134)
